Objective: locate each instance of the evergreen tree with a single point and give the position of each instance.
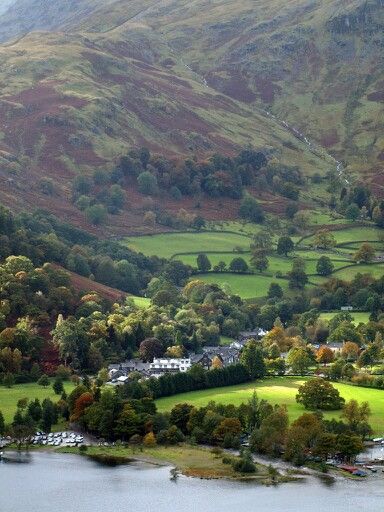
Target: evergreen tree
(252, 358)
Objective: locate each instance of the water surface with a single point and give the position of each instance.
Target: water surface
(52, 482)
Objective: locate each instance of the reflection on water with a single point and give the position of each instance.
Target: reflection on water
(54, 482)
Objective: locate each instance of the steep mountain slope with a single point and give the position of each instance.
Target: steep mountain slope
(316, 64)
(72, 102)
(186, 77)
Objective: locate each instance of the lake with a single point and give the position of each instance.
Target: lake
(52, 482)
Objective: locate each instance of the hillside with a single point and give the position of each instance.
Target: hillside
(73, 102)
(186, 78)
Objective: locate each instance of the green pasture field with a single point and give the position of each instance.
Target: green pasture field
(246, 286)
(276, 263)
(167, 244)
(10, 396)
(358, 316)
(320, 218)
(141, 302)
(282, 391)
(353, 234)
(376, 270)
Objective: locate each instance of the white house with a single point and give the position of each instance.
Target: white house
(164, 365)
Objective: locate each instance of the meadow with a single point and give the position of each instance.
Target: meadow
(353, 234)
(282, 391)
(168, 244)
(358, 316)
(247, 286)
(227, 240)
(10, 396)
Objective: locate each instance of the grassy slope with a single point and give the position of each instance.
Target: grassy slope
(359, 316)
(10, 397)
(100, 94)
(281, 390)
(166, 245)
(247, 286)
(302, 65)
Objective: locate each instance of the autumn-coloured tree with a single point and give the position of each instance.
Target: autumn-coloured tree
(228, 426)
(324, 239)
(84, 401)
(149, 440)
(350, 351)
(150, 348)
(365, 254)
(216, 363)
(324, 355)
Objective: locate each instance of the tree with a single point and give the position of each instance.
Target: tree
(324, 355)
(324, 266)
(149, 218)
(96, 214)
(365, 254)
(238, 265)
(128, 423)
(43, 381)
(116, 197)
(251, 210)
(350, 351)
(180, 416)
(81, 185)
(285, 245)
(275, 291)
(259, 261)
(366, 359)
(216, 362)
(324, 239)
(2, 424)
(319, 394)
(349, 445)
(149, 440)
(326, 445)
(262, 241)
(58, 387)
(356, 414)
(227, 427)
(147, 183)
(8, 380)
(297, 276)
(301, 219)
(49, 415)
(150, 348)
(352, 212)
(203, 263)
(252, 358)
(299, 361)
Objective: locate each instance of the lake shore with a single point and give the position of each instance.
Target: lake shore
(190, 461)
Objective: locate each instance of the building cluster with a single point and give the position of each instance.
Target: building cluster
(220, 356)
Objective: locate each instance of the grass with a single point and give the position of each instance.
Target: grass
(280, 390)
(276, 263)
(246, 286)
(192, 461)
(225, 340)
(352, 234)
(10, 396)
(168, 244)
(349, 273)
(358, 316)
(141, 302)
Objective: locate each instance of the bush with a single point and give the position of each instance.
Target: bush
(244, 464)
(96, 214)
